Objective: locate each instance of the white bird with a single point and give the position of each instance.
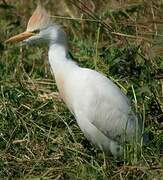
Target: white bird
(102, 111)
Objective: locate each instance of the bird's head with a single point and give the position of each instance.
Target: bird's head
(39, 29)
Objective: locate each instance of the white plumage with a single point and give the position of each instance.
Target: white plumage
(102, 111)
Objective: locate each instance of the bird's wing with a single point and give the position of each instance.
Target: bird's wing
(114, 123)
(106, 107)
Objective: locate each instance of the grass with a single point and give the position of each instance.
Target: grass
(39, 138)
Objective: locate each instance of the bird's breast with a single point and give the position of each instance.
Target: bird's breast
(63, 89)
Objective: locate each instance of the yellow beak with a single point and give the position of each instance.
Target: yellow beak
(20, 37)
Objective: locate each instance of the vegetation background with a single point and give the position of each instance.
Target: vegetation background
(39, 138)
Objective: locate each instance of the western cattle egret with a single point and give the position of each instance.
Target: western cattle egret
(102, 111)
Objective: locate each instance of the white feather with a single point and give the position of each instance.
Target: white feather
(102, 111)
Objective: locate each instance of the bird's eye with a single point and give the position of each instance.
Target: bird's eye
(36, 31)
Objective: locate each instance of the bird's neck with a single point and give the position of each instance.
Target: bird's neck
(57, 53)
(59, 58)
(62, 67)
